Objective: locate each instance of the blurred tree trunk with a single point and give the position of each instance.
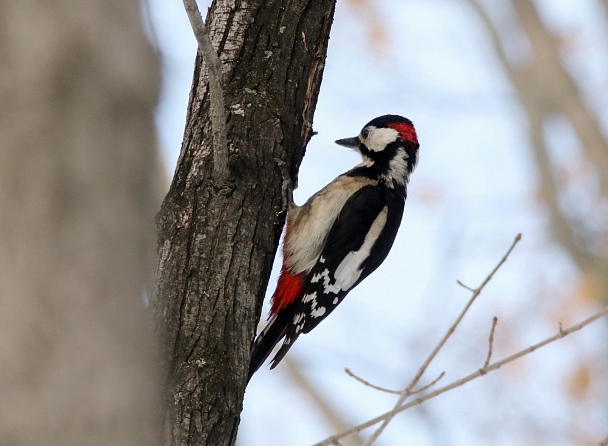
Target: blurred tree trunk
(78, 188)
(217, 241)
(546, 90)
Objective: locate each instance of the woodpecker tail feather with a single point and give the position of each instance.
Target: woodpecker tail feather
(289, 340)
(267, 339)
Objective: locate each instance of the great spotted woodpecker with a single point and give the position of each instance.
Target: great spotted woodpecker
(340, 235)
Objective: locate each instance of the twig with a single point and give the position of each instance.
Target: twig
(368, 384)
(490, 342)
(395, 392)
(431, 384)
(466, 379)
(464, 286)
(216, 91)
(476, 292)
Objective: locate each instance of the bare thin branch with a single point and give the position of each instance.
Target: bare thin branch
(408, 390)
(368, 384)
(431, 384)
(465, 286)
(395, 392)
(491, 342)
(466, 379)
(216, 91)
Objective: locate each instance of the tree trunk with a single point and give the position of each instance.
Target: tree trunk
(78, 192)
(217, 241)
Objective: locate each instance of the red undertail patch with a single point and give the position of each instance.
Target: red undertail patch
(289, 288)
(406, 131)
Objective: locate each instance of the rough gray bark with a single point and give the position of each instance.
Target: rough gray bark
(217, 241)
(78, 183)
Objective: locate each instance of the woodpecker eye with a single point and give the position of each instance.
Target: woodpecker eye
(365, 133)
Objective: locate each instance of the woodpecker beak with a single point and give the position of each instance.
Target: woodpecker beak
(351, 143)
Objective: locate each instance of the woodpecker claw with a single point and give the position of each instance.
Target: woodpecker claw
(287, 186)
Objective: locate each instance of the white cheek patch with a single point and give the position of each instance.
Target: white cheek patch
(379, 138)
(398, 168)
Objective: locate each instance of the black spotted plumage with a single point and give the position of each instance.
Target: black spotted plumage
(347, 235)
(362, 231)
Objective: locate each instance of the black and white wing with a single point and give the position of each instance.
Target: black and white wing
(358, 242)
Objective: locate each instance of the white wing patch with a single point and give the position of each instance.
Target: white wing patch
(298, 321)
(348, 271)
(318, 312)
(299, 318)
(309, 297)
(328, 288)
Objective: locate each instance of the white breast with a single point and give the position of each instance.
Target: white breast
(310, 224)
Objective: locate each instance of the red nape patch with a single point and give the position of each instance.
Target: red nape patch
(406, 131)
(289, 288)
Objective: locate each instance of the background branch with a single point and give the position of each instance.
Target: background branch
(491, 341)
(368, 384)
(545, 89)
(408, 390)
(560, 92)
(330, 414)
(217, 109)
(481, 372)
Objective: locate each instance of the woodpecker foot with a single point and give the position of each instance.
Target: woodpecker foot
(287, 186)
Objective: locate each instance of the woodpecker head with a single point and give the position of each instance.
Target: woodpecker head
(388, 144)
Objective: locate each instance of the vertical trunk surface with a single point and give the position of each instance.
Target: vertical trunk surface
(217, 241)
(78, 175)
